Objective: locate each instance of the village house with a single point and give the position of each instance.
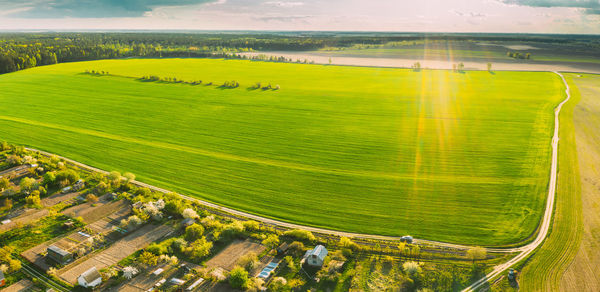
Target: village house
(316, 256)
(90, 278)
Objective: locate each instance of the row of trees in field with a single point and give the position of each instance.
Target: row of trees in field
(226, 84)
(517, 55)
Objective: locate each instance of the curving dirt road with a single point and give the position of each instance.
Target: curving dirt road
(545, 226)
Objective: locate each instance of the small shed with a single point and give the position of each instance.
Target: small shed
(187, 222)
(79, 185)
(316, 256)
(176, 281)
(282, 249)
(59, 255)
(90, 278)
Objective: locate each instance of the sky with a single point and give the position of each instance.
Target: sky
(518, 16)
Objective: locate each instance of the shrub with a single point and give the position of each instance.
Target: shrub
(411, 268)
(249, 261)
(194, 232)
(33, 201)
(300, 234)
(91, 198)
(68, 175)
(297, 248)
(199, 249)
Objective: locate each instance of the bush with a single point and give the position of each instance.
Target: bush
(297, 248)
(194, 232)
(68, 175)
(300, 234)
(238, 278)
(198, 249)
(249, 261)
(33, 201)
(91, 198)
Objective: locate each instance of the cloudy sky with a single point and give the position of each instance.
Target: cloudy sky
(531, 16)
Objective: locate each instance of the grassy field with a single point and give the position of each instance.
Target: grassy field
(582, 274)
(460, 157)
(544, 270)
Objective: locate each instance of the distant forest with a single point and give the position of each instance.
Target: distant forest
(20, 51)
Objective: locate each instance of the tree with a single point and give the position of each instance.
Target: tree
(194, 232)
(68, 175)
(33, 201)
(347, 243)
(271, 241)
(129, 177)
(238, 278)
(476, 253)
(14, 160)
(28, 184)
(14, 265)
(489, 67)
(189, 213)
(114, 177)
(129, 272)
(91, 198)
(148, 258)
(49, 178)
(416, 66)
(199, 249)
(8, 204)
(4, 183)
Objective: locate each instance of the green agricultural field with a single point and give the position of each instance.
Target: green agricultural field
(459, 157)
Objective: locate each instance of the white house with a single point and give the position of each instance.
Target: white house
(315, 257)
(90, 278)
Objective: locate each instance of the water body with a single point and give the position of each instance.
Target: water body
(508, 65)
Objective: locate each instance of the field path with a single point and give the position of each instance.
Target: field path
(545, 226)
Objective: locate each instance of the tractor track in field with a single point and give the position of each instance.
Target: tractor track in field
(523, 251)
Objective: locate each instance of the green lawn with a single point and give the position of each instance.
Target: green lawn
(460, 157)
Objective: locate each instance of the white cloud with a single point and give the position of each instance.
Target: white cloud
(283, 3)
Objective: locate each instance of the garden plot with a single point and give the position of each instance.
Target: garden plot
(69, 243)
(118, 251)
(91, 212)
(59, 198)
(28, 216)
(228, 257)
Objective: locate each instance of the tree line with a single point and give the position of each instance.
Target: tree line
(20, 51)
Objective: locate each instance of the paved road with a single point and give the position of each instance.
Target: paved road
(528, 249)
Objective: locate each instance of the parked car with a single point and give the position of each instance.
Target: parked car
(406, 238)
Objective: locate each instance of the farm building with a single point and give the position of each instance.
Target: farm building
(90, 278)
(315, 257)
(59, 255)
